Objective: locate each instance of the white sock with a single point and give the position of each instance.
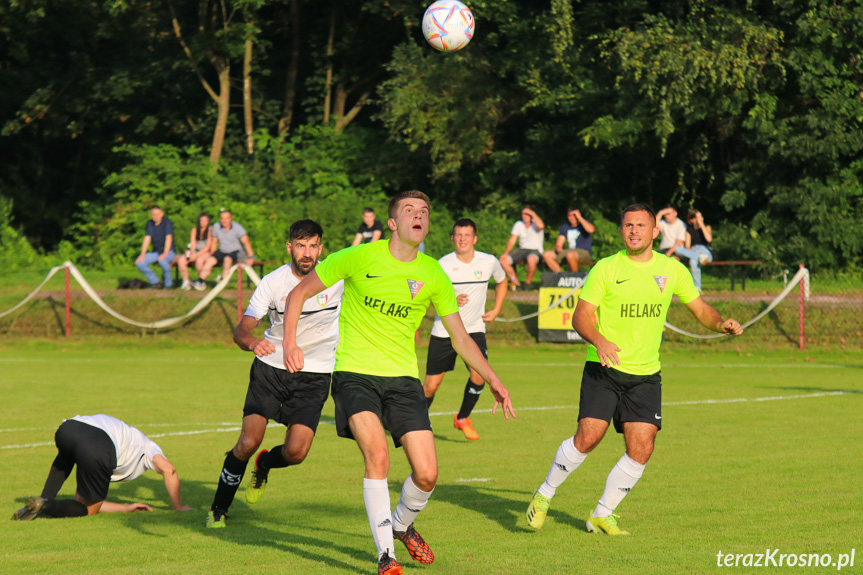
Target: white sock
(622, 478)
(412, 501)
(566, 460)
(376, 496)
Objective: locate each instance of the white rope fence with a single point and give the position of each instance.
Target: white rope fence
(801, 275)
(162, 323)
(53, 271)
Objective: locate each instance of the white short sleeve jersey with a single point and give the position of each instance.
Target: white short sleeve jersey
(529, 238)
(135, 451)
(317, 330)
(471, 279)
(671, 233)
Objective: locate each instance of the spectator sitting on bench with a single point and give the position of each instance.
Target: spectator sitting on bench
(674, 241)
(199, 246)
(576, 237)
(159, 234)
(699, 237)
(229, 243)
(528, 233)
(371, 230)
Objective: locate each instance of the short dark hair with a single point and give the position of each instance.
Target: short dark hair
(638, 208)
(464, 223)
(368, 211)
(571, 209)
(305, 229)
(156, 207)
(393, 208)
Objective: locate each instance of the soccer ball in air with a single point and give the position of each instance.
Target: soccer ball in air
(448, 25)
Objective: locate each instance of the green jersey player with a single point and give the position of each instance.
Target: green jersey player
(628, 294)
(376, 388)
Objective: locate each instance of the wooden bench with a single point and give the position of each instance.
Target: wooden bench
(732, 265)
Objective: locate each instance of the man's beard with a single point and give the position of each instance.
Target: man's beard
(302, 269)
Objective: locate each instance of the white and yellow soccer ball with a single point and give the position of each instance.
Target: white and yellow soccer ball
(448, 25)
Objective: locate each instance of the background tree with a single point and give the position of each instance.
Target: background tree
(748, 111)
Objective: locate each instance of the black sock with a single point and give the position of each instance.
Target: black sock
(60, 470)
(60, 508)
(471, 396)
(229, 482)
(429, 401)
(272, 459)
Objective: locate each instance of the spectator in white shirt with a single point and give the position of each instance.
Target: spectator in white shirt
(528, 232)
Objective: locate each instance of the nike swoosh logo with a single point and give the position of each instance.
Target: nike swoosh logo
(621, 281)
(372, 277)
(657, 416)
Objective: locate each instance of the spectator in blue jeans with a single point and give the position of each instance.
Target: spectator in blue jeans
(699, 237)
(158, 248)
(673, 244)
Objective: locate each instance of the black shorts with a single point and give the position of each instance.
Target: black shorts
(94, 455)
(286, 397)
(399, 402)
(237, 256)
(441, 356)
(520, 255)
(610, 394)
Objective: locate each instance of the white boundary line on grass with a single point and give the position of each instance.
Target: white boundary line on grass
(702, 365)
(575, 363)
(448, 413)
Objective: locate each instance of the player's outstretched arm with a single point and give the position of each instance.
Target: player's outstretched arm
(500, 291)
(707, 316)
(247, 342)
(311, 285)
(172, 481)
(111, 507)
(470, 353)
(582, 322)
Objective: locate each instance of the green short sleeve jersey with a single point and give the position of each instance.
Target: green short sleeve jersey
(385, 299)
(632, 300)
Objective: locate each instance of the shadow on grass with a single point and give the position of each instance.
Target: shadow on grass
(531, 324)
(438, 437)
(297, 535)
(506, 507)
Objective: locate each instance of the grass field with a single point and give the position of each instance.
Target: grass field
(760, 450)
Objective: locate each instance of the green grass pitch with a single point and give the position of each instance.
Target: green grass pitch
(733, 472)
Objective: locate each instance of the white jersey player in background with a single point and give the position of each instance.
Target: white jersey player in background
(293, 399)
(470, 272)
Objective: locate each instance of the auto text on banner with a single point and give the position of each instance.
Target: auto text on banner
(555, 325)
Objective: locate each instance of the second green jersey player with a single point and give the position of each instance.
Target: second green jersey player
(376, 388)
(621, 313)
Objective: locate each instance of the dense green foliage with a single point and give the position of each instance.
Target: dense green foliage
(750, 111)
